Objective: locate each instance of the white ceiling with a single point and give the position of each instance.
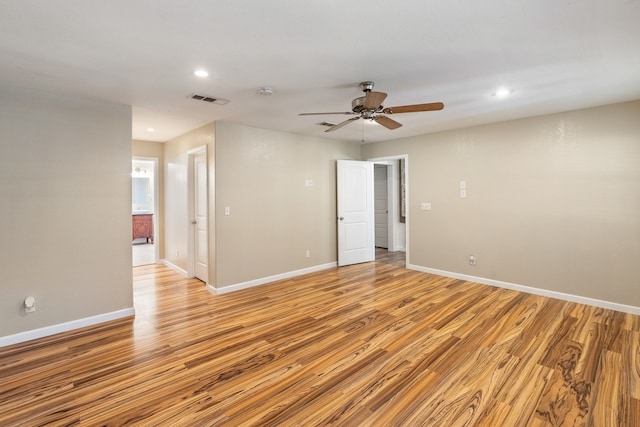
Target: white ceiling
(556, 55)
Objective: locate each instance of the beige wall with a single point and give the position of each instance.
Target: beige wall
(176, 209)
(274, 218)
(65, 220)
(150, 149)
(553, 202)
(147, 149)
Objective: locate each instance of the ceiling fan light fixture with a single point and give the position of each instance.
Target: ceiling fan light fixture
(265, 91)
(370, 108)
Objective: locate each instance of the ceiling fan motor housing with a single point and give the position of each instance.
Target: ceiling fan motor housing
(357, 106)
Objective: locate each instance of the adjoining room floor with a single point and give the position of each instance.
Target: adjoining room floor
(143, 254)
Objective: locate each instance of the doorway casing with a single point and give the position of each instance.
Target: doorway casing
(156, 205)
(393, 190)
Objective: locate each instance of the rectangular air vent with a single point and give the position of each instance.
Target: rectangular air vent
(207, 98)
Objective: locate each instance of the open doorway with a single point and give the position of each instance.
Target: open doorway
(391, 195)
(381, 206)
(143, 210)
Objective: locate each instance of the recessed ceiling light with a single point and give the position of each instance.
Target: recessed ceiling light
(201, 73)
(502, 92)
(151, 130)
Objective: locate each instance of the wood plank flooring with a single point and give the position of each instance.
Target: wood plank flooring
(366, 345)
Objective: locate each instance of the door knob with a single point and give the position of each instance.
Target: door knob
(193, 222)
(341, 218)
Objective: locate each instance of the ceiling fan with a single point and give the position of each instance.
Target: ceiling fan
(369, 107)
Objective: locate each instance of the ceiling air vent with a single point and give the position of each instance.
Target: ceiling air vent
(329, 125)
(207, 98)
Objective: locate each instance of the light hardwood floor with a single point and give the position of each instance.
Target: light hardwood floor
(366, 345)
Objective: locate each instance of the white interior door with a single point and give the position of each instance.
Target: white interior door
(355, 212)
(381, 205)
(200, 209)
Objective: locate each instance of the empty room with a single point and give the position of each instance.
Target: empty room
(286, 213)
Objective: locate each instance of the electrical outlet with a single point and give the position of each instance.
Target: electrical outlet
(29, 305)
(425, 206)
(463, 194)
(472, 260)
(308, 253)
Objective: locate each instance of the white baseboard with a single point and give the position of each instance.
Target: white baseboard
(179, 270)
(262, 281)
(531, 290)
(173, 267)
(65, 327)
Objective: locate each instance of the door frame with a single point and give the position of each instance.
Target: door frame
(393, 196)
(191, 240)
(156, 204)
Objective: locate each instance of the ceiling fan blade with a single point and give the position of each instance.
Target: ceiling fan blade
(387, 122)
(339, 125)
(374, 99)
(319, 114)
(434, 106)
